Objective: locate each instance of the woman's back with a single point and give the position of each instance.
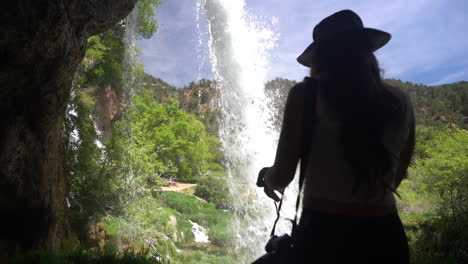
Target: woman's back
(329, 175)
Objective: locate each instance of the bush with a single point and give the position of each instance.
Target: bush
(123, 236)
(152, 214)
(205, 214)
(214, 190)
(445, 172)
(221, 234)
(82, 257)
(435, 197)
(199, 257)
(441, 239)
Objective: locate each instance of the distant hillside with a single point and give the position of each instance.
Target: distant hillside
(434, 105)
(440, 104)
(199, 98)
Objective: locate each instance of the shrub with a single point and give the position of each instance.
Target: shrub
(124, 236)
(214, 190)
(435, 198)
(151, 214)
(82, 257)
(441, 239)
(199, 257)
(445, 172)
(205, 214)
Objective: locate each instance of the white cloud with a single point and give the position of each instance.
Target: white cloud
(453, 77)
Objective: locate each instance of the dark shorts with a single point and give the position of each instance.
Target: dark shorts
(327, 238)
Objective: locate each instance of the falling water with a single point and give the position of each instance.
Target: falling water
(129, 81)
(199, 233)
(130, 54)
(240, 46)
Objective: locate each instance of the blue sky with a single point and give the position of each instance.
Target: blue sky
(429, 42)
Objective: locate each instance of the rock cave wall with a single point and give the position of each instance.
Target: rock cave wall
(41, 44)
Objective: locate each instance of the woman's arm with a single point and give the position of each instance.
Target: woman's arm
(289, 145)
(407, 152)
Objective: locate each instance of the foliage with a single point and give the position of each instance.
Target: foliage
(444, 171)
(105, 59)
(95, 52)
(162, 90)
(82, 257)
(205, 214)
(435, 197)
(438, 105)
(202, 257)
(154, 138)
(92, 188)
(439, 240)
(124, 235)
(214, 190)
(147, 24)
(163, 141)
(152, 214)
(85, 161)
(153, 224)
(108, 66)
(201, 99)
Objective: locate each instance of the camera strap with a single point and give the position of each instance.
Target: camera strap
(309, 119)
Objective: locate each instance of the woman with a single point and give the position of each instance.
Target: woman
(359, 149)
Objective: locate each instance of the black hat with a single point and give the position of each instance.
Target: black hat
(340, 23)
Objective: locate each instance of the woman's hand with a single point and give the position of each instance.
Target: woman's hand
(261, 183)
(271, 193)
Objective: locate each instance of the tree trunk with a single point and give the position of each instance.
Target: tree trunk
(41, 44)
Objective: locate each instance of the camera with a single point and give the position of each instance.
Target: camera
(279, 250)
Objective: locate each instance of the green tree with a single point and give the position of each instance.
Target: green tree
(93, 186)
(445, 171)
(147, 24)
(160, 140)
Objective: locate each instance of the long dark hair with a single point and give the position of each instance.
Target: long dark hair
(351, 83)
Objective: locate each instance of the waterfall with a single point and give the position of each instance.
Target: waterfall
(199, 233)
(240, 45)
(129, 62)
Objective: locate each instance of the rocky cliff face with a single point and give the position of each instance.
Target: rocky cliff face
(110, 103)
(41, 44)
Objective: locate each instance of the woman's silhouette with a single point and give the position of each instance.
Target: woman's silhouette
(358, 148)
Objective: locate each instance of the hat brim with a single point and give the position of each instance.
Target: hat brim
(377, 39)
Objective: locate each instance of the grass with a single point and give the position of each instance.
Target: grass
(441, 239)
(205, 214)
(214, 190)
(201, 257)
(156, 226)
(149, 231)
(82, 257)
(153, 214)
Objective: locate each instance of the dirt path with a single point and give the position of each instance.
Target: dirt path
(179, 187)
(187, 188)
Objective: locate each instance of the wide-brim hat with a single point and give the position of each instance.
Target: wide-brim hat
(344, 22)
